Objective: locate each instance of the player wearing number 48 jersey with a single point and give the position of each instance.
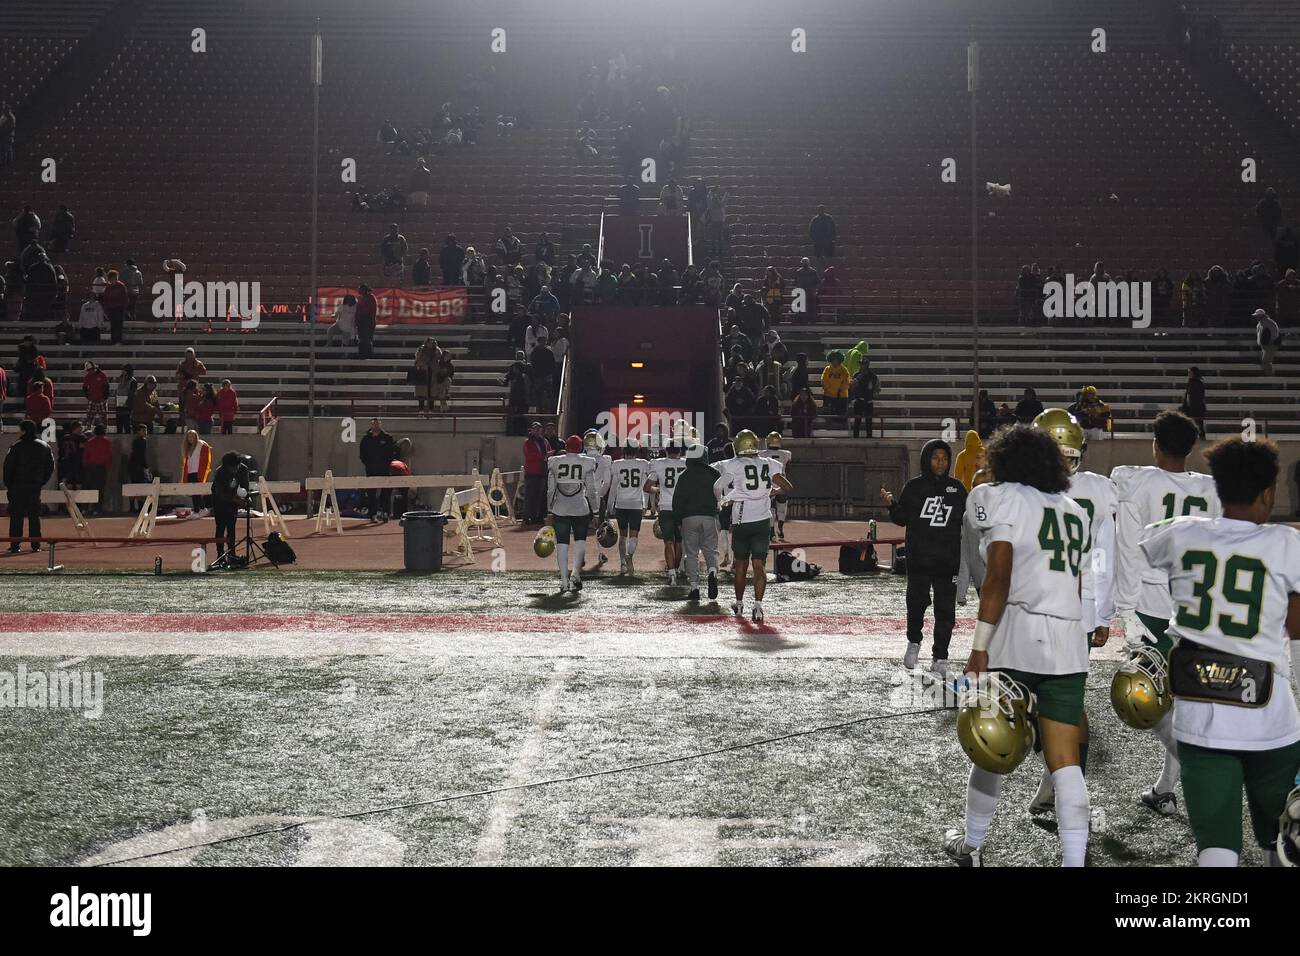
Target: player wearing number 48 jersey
(748, 482)
(1235, 587)
(1148, 494)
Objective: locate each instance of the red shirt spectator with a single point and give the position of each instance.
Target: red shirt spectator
(115, 296)
(227, 403)
(95, 385)
(534, 457)
(39, 406)
(194, 405)
(98, 451)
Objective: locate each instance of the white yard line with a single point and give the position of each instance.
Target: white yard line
(505, 806)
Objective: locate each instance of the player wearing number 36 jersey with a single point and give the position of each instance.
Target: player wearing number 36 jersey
(1235, 584)
(627, 501)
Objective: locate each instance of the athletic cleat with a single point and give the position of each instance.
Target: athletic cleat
(954, 844)
(672, 578)
(738, 608)
(780, 530)
(758, 612)
(713, 585)
(1165, 804)
(564, 588)
(694, 595)
(622, 569)
(1042, 805)
(912, 656)
(630, 570)
(576, 582)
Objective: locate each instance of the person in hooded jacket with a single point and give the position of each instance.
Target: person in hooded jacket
(969, 460)
(930, 508)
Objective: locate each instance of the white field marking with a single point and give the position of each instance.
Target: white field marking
(505, 806)
(194, 661)
(732, 641)
(70, 662)
(698, 841)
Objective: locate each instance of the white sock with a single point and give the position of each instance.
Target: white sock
(982, 791)
(622, 549)
(724, 543)
(1216, 856)
(1172, 769)
(562, 558)
(1045, 786)
(579, 555)
(1271, 858)
(631, 546)
(1072, 816)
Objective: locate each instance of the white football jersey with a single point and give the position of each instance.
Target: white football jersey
(666, 471)
(780, 454)
(1148, 494)
(627, 488)
(1231, 583)
(571, 485)
(750, 479)
(604, 473)
(1097, 495)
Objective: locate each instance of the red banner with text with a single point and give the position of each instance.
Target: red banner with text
(405, 307)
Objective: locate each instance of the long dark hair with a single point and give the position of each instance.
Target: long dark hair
(1028, 456)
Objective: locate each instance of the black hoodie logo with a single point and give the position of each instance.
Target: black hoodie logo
(936, 511)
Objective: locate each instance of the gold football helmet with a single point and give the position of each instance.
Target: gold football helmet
(773, 439)
(746, 443)
(1066, 432)
(1139, 691)
(994, 724)
(544, 543)
(592, 443)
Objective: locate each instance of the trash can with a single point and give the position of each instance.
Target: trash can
(422, 540)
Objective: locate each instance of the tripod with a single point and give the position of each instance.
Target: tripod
(253, 552)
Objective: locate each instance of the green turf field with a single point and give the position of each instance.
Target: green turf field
(311, 714)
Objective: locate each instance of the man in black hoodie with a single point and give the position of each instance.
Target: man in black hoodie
(378, 449)
(930, 508)
(28, 466)
(229, 490)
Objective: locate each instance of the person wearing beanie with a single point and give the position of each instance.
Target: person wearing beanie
(695, 511)
(29, 464)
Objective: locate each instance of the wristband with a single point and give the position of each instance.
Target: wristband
(983, 635)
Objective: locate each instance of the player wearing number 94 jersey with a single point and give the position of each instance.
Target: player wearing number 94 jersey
(748, 482)
(1235, 583)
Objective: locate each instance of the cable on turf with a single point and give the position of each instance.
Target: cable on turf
(532, 784)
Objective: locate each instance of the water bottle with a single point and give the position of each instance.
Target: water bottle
(157, 564)
(871, 529)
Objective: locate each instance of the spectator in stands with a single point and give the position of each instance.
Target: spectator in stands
(62, 230)
(114, 301)
(606, 285)
(798, 374)
(560, 340)
(189, 368)
(421, 375)
(392, 250)
(27, 228)
(541, 377)
(835, 387)
(807, 279)
(587, 257)
(8, 124)
(692, 290)
(1286, 248)
(552, 437)
(421, 181)
(206, 407)
(771, 373)
(90, 320)
(716, 220)
(516, 381)
(862, 391)
(516, 280)
(387, 134)
(740, 404)
(854, 356)
(126, 388)
(1029, 407)
(59, 307)
(145, 408)
(628, 287)
(474, 272)
(536, 452)
(668, 280)
(802, 412)
(378, 449)
(1218, 296)
(137, 465)
(189, 404)
(451, 259)
(95, 386)
(72, 443)
(1193, 404)
(697, 205)
(28, 352)
(227, 405)
(713, 283)
(99, 284)
(629, 197)
(821, 230)
(1267, 336)
(40, 284)
(345, 320)
(583, 282)
(546, 306)
(96, 459)
(1192, 293)
(1162, 293)
(767, 411)
(536, 334)
(509, 249)
(134, 280)
(1027, 297)
(422, 271)
(39, 405)
(774, 294)
(367, 318)
(671, 198)
(29, 464)
(1287, 299)
(986, 412)
(1269, 212)
(443, 373)
(545, 250)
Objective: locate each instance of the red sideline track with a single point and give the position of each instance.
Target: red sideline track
(37, 622)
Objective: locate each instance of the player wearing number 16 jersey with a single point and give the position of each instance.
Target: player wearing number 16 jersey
(749, 481)
(1035, 541)
(1147, 494)
(1235, 584)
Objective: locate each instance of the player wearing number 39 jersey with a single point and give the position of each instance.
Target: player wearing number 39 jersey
(1035, 541)
(1235, 586)
(748, 482)
(1148, 494)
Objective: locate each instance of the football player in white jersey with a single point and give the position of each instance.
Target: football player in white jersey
(1096, 494)
(1035, 543)
(749, 481)
(1235, 584)
(782, 504)
(1150, 493)
(572, 501)
(665, 472)
(626, 499)
(593, 446)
